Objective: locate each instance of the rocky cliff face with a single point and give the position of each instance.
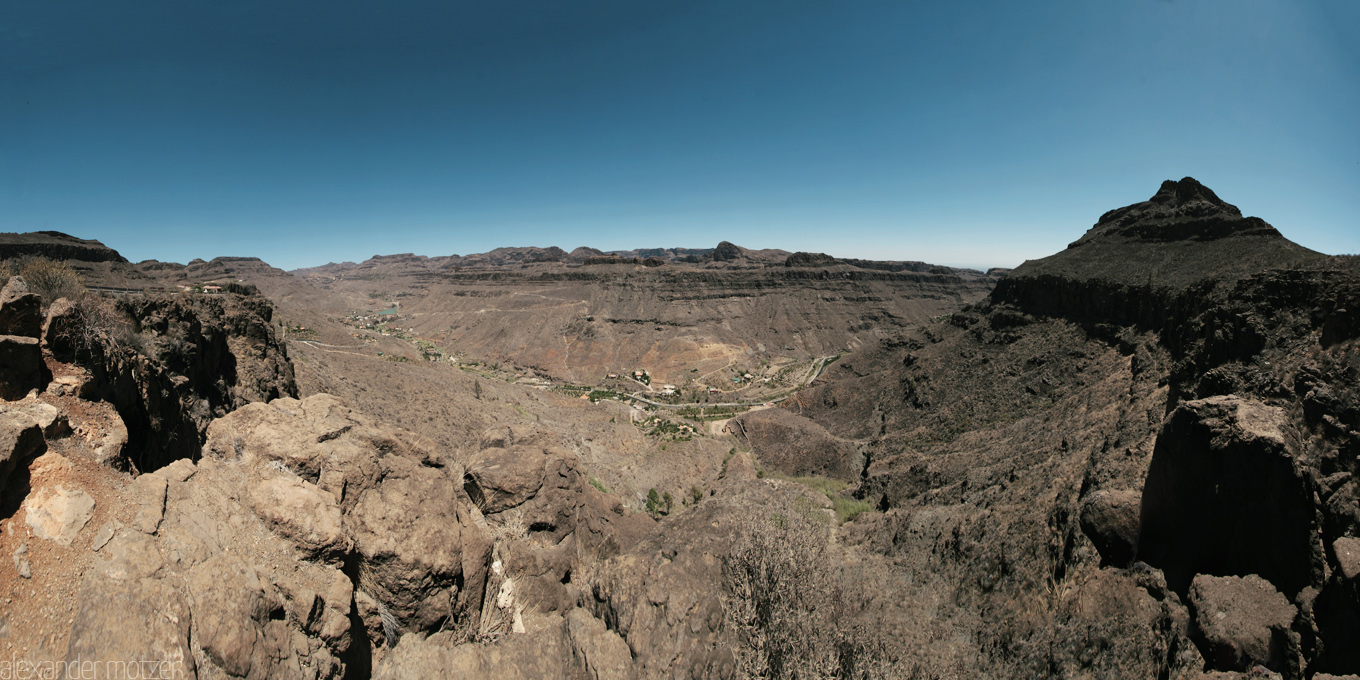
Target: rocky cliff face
(171, 364)
(55, 245)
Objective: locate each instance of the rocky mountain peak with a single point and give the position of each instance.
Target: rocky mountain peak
(1189, 190)
(1179, 211)
(727, 251)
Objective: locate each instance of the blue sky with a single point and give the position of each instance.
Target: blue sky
(973, 133)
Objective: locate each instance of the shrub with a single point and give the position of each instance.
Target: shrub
(653, 502)
(51, 280)
(599, 486)
(790, 606)
(847, 509)
(98, 324)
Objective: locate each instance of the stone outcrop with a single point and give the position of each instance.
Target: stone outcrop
(304, 539)
(21, 439)
(1224, 495)
(58, 513)
(1243, 622)
(53, 423)
(20, 310)
(575, 646)
(169, 365)
(21, 366)
(341, 482)
(501, 478)
(1110, 519)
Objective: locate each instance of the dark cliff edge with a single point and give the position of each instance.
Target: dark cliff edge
(171, 364)
(57, 246)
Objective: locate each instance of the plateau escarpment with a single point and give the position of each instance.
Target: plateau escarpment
(580, 322)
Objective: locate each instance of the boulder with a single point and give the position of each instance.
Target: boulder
(421, 553)
(20, 439)
(421, 556)
(53, 422)
(58, 513)
(237, 618)
(21, 367)
(111, 449)
(62, 328)
(148, 496)
(20, 310)
(132, 628)
(1225, 495)
(1242, 622)
(1347, 551)
(73, 385)
(1110, 520)
(499, 478)
(599, 651)
(301, 513)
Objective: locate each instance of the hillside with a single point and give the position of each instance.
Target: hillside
(1081, 459)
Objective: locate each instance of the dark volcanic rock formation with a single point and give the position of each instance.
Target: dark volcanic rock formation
(171, 364)
(726, 252)
(20, 310)
(1224, 496)
(1243, 623)
(55, 245)
(21, 366)
(1135, 263)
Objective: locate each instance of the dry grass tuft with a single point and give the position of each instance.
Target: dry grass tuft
(793, 608)
(51, 279)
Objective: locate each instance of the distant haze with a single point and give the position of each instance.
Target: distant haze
(980, 132)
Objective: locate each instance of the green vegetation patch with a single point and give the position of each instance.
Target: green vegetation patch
(846, 508)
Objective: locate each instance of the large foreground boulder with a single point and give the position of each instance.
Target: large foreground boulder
(21, 438)
(333, 481)
(1224, 495)
(20, 310)
(131, 627)
(21, 367)
(1243, 622)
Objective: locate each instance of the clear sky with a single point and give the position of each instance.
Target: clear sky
(969, 132)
